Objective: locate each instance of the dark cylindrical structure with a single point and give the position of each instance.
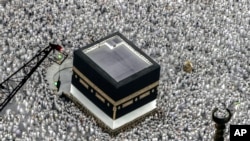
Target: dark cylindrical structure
(220, 125)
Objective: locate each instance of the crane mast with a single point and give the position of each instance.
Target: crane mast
(11, 85)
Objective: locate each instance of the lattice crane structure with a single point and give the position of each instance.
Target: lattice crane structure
(10, 86)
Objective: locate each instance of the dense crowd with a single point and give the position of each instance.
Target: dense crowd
(212, 34)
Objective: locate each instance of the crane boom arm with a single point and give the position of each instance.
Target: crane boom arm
(10, 86)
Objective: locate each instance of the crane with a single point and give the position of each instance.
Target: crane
(20, 76)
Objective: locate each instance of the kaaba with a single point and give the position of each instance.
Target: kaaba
(115, 80)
